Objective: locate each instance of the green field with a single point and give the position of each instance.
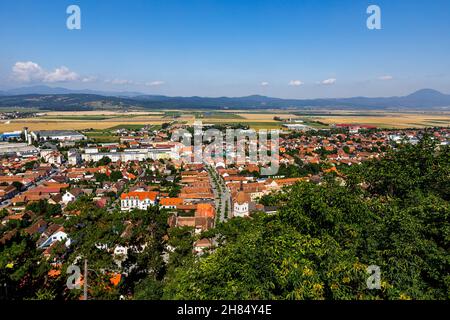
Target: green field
(81, 118)
(172, 114)
(107, 135)
(216, 115)
(101, 136)
(134, 127)
(314, 124)
(252, 125)
(95, 117)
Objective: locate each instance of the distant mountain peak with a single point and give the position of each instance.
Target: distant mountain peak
(426, 93)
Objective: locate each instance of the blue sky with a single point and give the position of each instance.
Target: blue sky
(290, 48)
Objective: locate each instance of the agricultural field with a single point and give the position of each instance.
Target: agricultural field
(100, 120)
(216, 115)
(36, 124)
(101, 136)
(101, 113)
(387, 119)
(263, 117)
(82, 120)
(256, 125)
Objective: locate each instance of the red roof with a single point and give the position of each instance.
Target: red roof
(141, 195)
(205, 210)
(171, 201)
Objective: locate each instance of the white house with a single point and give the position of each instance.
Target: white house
(200, 246)
(71, 195)
(241, 205)
(74, 157)
(138, 199)
(57, 236)
(53, 157)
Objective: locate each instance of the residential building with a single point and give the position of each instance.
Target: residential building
(138, 199)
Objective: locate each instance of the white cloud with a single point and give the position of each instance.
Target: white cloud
(27, 71)
(119, 81)
(30, 71)
(295, 83)
(385, 78)
(62, 74)
(329, 81)
(264, 83)
(155, 83)
(89, 79)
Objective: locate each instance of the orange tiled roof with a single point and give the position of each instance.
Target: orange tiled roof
(242, 197)
(141, 195)
(196, 190)
(171, 201)
(205, 210)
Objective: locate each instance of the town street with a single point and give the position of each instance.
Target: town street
(221, 198)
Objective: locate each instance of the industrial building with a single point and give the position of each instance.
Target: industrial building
(18, 149)
(61, 135)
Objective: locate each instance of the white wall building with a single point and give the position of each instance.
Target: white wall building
(241, 205)
(74, 157)
(57, 236)
(61, 135)
(139, 199)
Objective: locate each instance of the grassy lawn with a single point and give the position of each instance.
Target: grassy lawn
(102, 136)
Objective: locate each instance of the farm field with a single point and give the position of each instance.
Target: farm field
(267, 116)
(101, 113)
(388, 120)
(100, 120)
(34, 124)
(256, 125)
(101, 136)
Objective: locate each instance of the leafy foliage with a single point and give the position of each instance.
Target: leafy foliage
(393, 213)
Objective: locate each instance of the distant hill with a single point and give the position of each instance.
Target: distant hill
(65, 102)
(47, 98)
(59, 90)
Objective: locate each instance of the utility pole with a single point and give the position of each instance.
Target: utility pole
(85, 284)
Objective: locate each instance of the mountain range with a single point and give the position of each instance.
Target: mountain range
(60, 90)
(49, 98)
